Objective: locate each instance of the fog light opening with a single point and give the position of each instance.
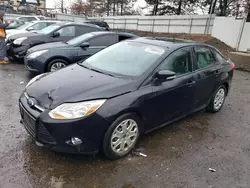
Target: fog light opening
(76, 141)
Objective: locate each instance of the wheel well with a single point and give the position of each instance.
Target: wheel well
(54, 58)
(227, 86)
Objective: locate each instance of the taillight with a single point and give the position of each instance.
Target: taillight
(232, 65)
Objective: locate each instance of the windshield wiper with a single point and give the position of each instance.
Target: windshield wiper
(106, 73)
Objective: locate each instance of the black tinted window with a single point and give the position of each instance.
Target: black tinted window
(179, 62)
(27, 19)
(85, 29)
(41, 18)
(204, 57)
(105, 40)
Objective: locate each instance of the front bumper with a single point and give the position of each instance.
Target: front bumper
(56, 134)
(17, 52)
(33, 65)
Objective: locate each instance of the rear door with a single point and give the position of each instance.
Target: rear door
(207, 75)
(96, 44)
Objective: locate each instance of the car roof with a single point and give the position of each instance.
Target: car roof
(111, 32)
(166, 42)
(37, 21)
(78, 24)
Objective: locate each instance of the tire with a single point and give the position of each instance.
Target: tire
(54, 62)
(108, 145)
(219, 96)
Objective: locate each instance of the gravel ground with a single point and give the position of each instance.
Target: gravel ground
(179, 155)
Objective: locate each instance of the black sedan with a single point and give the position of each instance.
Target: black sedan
(54, 56)
(107, 101)
(19, 44)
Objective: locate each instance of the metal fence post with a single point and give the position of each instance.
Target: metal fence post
(169, 25)
(153, 25)
(206, 25)
(137, 25)
(240, 33)
(191, 24)
(113, 23)
(125, 23)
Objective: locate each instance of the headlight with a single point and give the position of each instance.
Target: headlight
(76, 110)
(35, 79)
(36, 54)
(19, 41)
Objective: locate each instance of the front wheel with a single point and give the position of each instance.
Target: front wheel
(56, 65)
(121, 136)
(218, 99)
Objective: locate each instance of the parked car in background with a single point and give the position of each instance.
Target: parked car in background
(61, 31)
(14, 24)
(30, 27)
(30, 18)
(107, 101)
(54, 56)
(101, 24)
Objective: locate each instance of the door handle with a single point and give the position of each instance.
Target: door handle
(191, 83)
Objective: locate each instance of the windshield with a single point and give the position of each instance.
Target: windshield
(48, 29)
(127, 58)
(14, 23)
(80, 39)
(26, 25)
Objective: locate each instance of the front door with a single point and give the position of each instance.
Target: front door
(66, 33)
(174, 98)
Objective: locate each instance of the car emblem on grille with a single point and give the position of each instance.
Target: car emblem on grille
(31, 103)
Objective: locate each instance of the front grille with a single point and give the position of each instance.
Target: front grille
(36, 130)
(44, 135)
(28, 121)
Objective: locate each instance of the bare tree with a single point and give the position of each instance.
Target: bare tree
(60, 4)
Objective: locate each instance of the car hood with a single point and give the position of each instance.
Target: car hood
(47, 46)
(74, 84)
(19, 35)
(15, 31)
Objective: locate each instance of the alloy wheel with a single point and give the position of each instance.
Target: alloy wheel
(219, 98)
(124, 136)
(57, 66)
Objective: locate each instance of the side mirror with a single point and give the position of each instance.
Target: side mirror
(56, 34)
(30, 29)
(166, 75)
(84, 45)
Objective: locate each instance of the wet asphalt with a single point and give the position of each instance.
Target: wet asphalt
(178, 156)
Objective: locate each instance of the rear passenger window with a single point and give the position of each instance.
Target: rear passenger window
(204, 57)
(179, 62)
(85, 29)
(104, 40)
(219, 58)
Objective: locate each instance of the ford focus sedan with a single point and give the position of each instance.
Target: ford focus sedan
(107, 101)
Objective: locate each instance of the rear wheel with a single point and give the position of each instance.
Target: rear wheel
(121, 136)
(56, 65)
(218, 99)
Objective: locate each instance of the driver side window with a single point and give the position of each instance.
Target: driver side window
(179, 62)
(39, 26)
